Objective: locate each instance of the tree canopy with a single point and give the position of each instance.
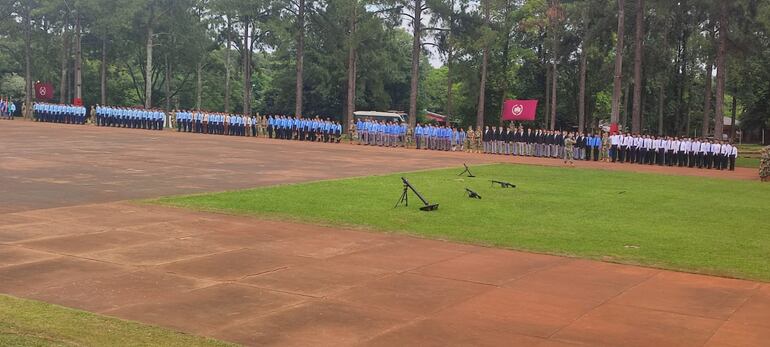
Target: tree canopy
(653, 66)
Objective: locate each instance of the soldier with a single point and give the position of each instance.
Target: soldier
(469, 137)
(409, 136)
(764, 164)
(569, 147)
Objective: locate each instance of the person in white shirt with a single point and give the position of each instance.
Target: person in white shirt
(709, 157)
(716, 155)
(615, 141)
(694, 147)
(733, 155)
(726, 150)
(649, 146)
(673, 147)
(660, 145)
(684, 146)
(703, 147)
(636, 143)
(625, 154)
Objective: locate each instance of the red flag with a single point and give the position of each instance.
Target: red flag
(43, 91)
(519, 110)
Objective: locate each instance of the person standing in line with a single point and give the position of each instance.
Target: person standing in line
(633, 148)
(703, 148)
(716, 148)
(527, 138)
(569, 149)
(684, 146)
(614, 147)
(628, 139)
(638, 157)
(694, 148)
(733, 156)
(725, 155)
(558, 144)
(596, 146)
(485, 138)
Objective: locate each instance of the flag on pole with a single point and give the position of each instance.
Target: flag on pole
(519, 110)
(43, 91)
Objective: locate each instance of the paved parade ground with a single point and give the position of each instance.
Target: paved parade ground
(68, 236)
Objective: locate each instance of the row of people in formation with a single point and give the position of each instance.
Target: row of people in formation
(55, 113)
(127, 117)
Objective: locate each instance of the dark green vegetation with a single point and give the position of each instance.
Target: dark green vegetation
(686, 223)
(25, 323)
(192, 40)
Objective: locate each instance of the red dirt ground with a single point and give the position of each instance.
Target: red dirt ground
(66, 238)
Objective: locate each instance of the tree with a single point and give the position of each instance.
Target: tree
(636, 114)
(721, 57)
(300, 57)
(617, 86)
(485, 7)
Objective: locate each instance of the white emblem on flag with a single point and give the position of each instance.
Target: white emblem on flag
(517, 110)
(42, 90)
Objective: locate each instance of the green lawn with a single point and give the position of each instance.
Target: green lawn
(712, 226)
(26, 323)
(747, 162)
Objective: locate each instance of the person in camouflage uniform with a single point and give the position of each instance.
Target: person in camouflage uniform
(258, 123)
(409, 137)
(478, 145)
(353, 132)
(469, 138)
(604, 154)
(569, 146)
(764, 164)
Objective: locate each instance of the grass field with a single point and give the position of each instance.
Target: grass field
(712, 226)
(26, 323)
(747, 162)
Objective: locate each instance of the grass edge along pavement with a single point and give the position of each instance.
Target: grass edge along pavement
(26, 322)
(693, 224)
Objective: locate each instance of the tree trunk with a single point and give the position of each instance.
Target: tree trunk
(583, 72)
(661, 105)
(246, 67)
(735, 111)
(721, 57)
(450, 54)
(449, 59)
(227, 65)
(636, 115)
(582, 89)
(28, 61)
(554, 75)
(64, 62)
(350, 106)
(198, 85)
(684, 105)
(547, 112)
(300, 58)
(78, 61)
(103, 73)
(484, 62)
(626, 97)
(617, 87)
(167, 85)
(416, 47)
(504, 64)
(148, 64)
(554, 62)
(706, 127)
